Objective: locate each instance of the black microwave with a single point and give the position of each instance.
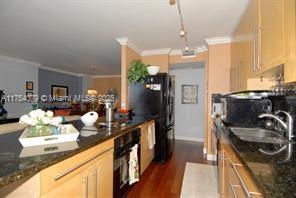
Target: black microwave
(244, 112)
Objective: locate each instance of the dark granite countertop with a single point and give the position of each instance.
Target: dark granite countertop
(16, 164)
(275, 174)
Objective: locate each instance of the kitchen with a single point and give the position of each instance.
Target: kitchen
(139, 144)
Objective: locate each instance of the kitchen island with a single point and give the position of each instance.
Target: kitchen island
(274, 174)
(17, 164)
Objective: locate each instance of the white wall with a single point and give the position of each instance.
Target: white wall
(189, 118)
(13, 76)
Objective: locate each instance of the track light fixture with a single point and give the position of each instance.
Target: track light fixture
(182, 32)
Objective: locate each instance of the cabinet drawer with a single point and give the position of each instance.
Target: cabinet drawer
(241, 180)
(59, 173)
(235, 186)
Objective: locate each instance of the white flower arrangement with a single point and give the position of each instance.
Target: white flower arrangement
(39, 117)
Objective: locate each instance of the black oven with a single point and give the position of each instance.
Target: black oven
(122, 149)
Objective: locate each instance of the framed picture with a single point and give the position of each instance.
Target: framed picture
(29, 85)
(29, 96)
(189, 94)
(59, 93)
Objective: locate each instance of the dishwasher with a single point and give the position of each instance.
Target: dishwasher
(122, 149)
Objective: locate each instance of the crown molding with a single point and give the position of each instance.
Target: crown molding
(20, 61)
(60, 71)
(122, 41)
(175, 52)
(126, 41)
(156, 52)
(201, 49)
(218, 40)
(106, 76)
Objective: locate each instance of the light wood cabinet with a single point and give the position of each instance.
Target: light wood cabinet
(290, 40)
(76, 186)
(87, 174)
(92, 180)
(264, 39)
(102, 175)
(244, 48)
(234, 179)
(271, 34)
(147, 154)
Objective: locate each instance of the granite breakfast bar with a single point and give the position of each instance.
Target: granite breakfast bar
(17, 166)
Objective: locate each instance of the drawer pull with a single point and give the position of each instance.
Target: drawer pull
(66, 172)
(240, 179)
(233, 190)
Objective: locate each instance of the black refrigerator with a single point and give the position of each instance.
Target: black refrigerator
(156, 97)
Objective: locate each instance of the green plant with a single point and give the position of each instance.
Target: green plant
(137, 72)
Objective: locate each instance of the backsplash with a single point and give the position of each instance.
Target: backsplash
(286, 103)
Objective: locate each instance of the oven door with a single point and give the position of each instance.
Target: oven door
(121, 175)
(121, 170)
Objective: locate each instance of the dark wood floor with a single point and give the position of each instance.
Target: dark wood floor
(165, 180)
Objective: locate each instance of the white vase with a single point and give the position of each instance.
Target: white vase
(89, 118)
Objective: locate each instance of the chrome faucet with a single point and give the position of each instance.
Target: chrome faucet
(288, 127)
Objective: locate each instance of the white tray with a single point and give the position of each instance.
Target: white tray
(67, 133)
(47, 149)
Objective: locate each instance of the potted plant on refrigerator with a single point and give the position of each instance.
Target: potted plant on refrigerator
(137, 72)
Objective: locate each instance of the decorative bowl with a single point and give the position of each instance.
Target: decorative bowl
(153, 70)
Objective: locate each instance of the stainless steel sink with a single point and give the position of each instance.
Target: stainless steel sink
(258, 135)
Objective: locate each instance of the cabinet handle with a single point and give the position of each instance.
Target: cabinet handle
(233, 190)
(66, 172)
(254, 51)
(258, 47)
(95, 183)
(240, 178)
(238, 74)
(85, 186)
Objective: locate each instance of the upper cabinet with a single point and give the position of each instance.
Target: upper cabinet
(244, 51)
(271, 34)
(264, 39)
(290, 40)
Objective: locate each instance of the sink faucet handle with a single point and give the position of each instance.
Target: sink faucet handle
(289, 123)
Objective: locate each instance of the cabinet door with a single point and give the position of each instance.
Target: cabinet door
(147, 154)
(227, 169)
(244, 48)
(290, 41)
(101, 176)
(234, 76)
(271, 34)
(77, 186)
(249, 57)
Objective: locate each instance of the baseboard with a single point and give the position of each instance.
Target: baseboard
(205, 150)
(193, 139)
(211, 157)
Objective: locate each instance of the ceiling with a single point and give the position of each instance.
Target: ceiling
(80, 35)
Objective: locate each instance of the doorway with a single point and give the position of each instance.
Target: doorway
(189, 100)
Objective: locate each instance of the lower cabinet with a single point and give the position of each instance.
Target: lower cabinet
(235, 181)
(87, 174)
(147, 154)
